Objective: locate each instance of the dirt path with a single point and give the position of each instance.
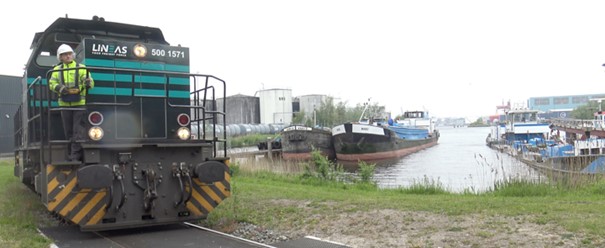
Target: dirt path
(391, 228)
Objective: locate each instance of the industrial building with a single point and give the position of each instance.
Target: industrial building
(241, 109)
(271, 111)
(560, 106)
(10, 97)
(275, 106)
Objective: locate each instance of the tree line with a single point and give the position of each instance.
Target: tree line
(330, 114)
(586, 112)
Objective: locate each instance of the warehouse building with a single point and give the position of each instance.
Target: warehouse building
(10, 97)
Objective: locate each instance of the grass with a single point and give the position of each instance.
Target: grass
(257, 200)
(278, 196)
(19, 208)
(260, 197)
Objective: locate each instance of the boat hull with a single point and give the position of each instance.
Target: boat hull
(354, 142)
(558, 164)
(299, 141)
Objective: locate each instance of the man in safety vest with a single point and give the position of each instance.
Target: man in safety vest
(72, 86)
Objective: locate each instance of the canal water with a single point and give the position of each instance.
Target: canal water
(459, 162)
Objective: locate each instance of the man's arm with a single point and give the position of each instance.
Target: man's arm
(86, 78)
(54, 85)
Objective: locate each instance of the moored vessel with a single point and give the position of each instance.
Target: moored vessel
(299, 141)
(548, 148)
(380, 140)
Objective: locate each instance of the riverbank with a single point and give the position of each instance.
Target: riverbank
(271, 207)
(518, 215)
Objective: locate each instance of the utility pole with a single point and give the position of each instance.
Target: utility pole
(314, 116)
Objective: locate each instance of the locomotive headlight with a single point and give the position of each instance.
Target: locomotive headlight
(183, 133)
(95, 133)
(139, 50)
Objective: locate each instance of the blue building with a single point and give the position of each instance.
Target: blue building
(559, 106)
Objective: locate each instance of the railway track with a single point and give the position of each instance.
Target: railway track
(175, 235)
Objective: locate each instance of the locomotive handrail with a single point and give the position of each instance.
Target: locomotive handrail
(18, 122)
(167, 74)
(36, 114)
(59, 109)
(34, 82)
(109, 104)
(196, 98)
(34, 117)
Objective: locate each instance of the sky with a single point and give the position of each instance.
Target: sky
(451, 58)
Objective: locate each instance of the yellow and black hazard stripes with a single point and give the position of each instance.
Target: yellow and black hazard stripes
(205, 197)
(81, 206)
(61, 182)
(92, 211)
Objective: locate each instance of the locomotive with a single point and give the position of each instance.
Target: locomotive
(148, 156)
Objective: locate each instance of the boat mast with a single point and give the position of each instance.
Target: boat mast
(364, 109)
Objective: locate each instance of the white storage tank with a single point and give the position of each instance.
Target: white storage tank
(275, 106)
(309, 103)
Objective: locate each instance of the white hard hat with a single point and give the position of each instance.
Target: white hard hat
(64, 48)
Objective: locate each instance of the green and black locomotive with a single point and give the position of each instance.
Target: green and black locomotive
(150, 153)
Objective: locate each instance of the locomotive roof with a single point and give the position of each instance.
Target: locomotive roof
(73, 30)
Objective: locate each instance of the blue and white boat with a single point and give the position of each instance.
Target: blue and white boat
(547, 150)
(518, 127)
(380, 139)
(581, 157)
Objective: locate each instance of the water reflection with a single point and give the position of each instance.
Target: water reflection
(461, 161)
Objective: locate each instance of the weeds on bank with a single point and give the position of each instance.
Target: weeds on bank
(323, 169)
(366, 172)
(521, 188)
(322, 190)
(538, 184)
(424, 187)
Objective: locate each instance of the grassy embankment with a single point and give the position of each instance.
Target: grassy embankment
(257, 194)
(19, 211)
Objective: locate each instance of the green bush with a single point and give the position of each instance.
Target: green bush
(366, 172)
(322, 168)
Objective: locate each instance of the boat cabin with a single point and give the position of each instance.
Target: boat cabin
(417, 119)
(523, 124)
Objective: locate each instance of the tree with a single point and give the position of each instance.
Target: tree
(586, 112)
(299, 118)
(330, 114)
(478, 123)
